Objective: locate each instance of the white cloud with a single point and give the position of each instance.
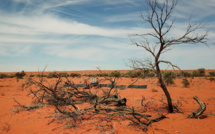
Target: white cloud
(125, 17)
(198, 8)
(192, 56)
(14, 50)
(49, 24)
(93, 49)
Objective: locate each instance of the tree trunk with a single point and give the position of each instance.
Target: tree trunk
(163, 86)
(169, 100)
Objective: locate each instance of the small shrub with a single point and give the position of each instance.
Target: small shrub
(129, 74)
(17, 110)
(5, 127)
(134, 74)
(212, 73)
(211, 79)
(195, 73)
(31, 75)
(75, 75)
(89, 75)
(64, 74)
(103, 75)
(2, 94)
(53, 75)
(201, 72)
(154, 90)
(41, 75)
(151, 74)
(185, 82)
(169, 77)
(20, 75)
(198, 73)
(11, 76)
(115, 74)
(186, 74)
(3, 76)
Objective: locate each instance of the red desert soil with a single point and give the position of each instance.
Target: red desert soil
(40, 121)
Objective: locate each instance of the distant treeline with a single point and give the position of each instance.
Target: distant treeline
(129, 74)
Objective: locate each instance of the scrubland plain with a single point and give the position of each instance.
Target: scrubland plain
(15, 120)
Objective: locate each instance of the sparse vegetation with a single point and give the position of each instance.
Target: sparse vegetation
(10, 76)
(20, 75)
(211, 79)
(185, 82)
(154, 90)
(198, 73)
(101, 74)
(41, 75)
(186, 74)
(212, 73)
(134, 74)
(195, 73)
(3, 76)
(201, 72)
(32, 75)
(2, 94)
(53, 75)
(63, 74)
(89, 75)
(116, 74)
(5, 127)
(75, 75)
(169, 77)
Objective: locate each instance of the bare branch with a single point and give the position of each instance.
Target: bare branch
(168, 62)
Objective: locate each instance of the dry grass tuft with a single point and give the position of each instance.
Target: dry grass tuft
(2, 94)
(5, 127)
(154, 90)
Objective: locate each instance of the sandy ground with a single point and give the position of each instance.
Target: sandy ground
(40, 121)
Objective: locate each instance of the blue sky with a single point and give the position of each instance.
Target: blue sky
(69, 35)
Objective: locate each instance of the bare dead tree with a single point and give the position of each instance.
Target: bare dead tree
(159, 41)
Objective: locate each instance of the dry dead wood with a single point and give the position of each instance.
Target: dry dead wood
(66, 99)
(201, 109)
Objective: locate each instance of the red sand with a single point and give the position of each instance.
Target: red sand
(39, 121)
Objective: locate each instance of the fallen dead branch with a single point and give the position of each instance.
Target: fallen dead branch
(29, 107)
(104, 105)
(201, 109)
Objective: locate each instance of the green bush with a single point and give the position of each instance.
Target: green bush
(198, 73)
(115, 74)
(212, 73)
(195, 73)
(41, 75)
(134, 74)
(212, 79)
(63, 74)
(169, 77)
(186, 74)
(20, 75)
(75, 75)
(201, 72)
(89, 75)
(11, 76)
(185, 82)
(104, 75)
(151, 74)
(3, 76)
(31, 75)
(53, 75)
